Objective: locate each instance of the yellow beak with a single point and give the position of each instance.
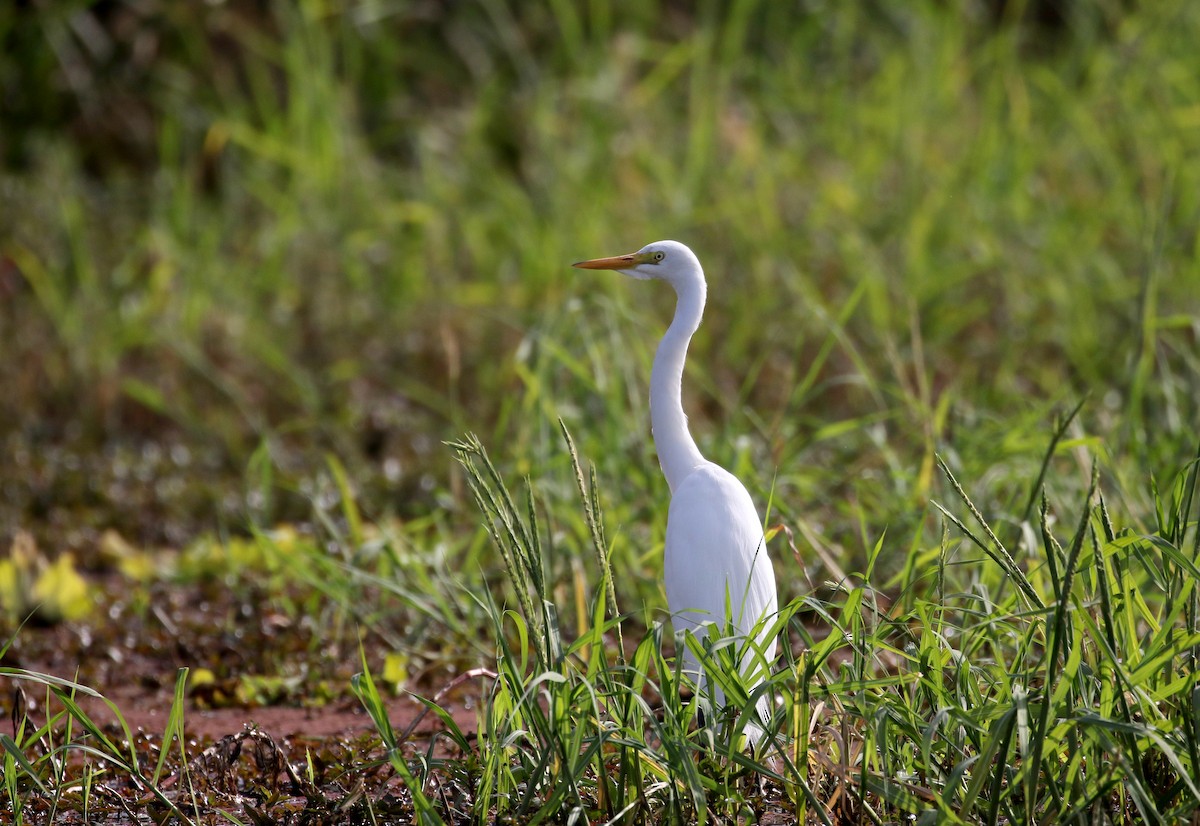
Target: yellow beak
(617, 262)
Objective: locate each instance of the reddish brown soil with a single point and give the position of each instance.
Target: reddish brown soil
(145, 711)
(344, 719)
(132, 657)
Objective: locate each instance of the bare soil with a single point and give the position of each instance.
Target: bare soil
(249, 667)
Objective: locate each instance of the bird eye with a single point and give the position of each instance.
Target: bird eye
(658, 256)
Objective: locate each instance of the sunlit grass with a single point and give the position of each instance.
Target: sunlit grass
(1048, 681)
(929, 236)
(907, 226)
(61, 763)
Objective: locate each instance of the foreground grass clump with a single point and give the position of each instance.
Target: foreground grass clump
(1050, 678)
(1049, 681)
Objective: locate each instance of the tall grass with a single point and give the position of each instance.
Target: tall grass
(346, 229)
(1049, 682)
(915, 223)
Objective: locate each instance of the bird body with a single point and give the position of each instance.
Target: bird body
(715, 556)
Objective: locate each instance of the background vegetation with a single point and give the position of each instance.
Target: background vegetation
(259, 261)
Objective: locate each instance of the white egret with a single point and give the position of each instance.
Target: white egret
(716, 554)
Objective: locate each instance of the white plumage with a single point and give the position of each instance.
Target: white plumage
(716, 554)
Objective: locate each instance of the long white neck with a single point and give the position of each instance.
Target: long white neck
(677, 451)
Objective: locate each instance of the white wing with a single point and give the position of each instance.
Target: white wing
(714, 547)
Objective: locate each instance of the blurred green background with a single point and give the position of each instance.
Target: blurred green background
(237, 237)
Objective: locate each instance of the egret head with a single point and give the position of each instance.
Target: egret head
(668, 261)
